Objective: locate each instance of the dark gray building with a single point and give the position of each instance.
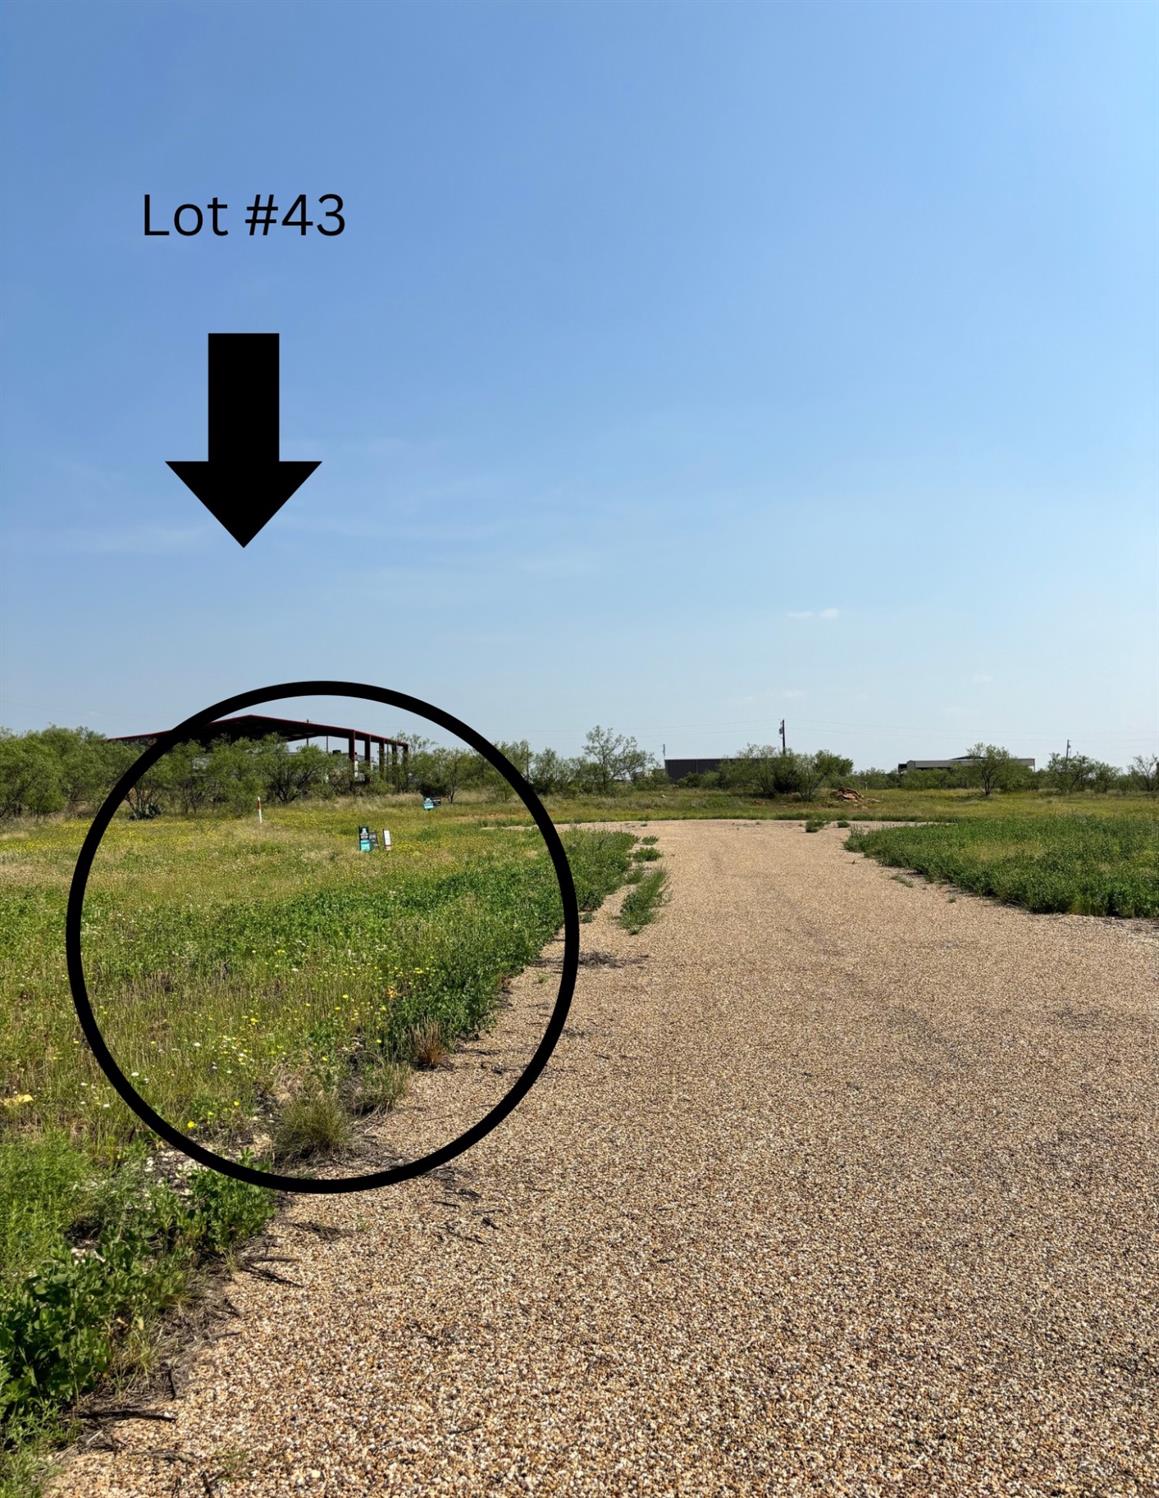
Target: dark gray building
(677, 769)
(960, 763)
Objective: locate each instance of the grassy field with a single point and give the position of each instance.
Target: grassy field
(263, 985)
(1089, 865)
(674, 803)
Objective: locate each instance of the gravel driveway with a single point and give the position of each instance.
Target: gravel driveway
(835, 1185)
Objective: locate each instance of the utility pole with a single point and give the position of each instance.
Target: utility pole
(1066, 756)
(784, 746)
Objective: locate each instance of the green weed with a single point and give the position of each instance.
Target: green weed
(642, 903)
(128, 1252)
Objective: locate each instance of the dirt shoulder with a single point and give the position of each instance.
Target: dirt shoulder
(834, 1185)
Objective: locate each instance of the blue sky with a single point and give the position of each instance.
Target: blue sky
(682, 367)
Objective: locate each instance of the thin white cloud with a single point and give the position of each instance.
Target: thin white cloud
(980, 678)
(814, 614)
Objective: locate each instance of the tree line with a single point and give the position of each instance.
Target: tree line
(73, 769)
(766, 770)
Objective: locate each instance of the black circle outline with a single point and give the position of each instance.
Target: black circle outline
(190, 1147)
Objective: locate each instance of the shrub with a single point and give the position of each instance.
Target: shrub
(762, 770)
(288, 776)
(550, 772)
(832, 768)
(30, 778)
(1143, 773)
(1069, 773)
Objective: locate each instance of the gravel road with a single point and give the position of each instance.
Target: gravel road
(835, 1185)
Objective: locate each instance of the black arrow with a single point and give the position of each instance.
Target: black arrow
(244, 483)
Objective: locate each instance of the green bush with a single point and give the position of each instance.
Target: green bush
(30, 779)
(763, 770)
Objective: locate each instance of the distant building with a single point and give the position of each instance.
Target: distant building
(960, 763)
(677, 769)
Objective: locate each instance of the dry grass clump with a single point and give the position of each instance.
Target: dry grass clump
(428, 1044)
